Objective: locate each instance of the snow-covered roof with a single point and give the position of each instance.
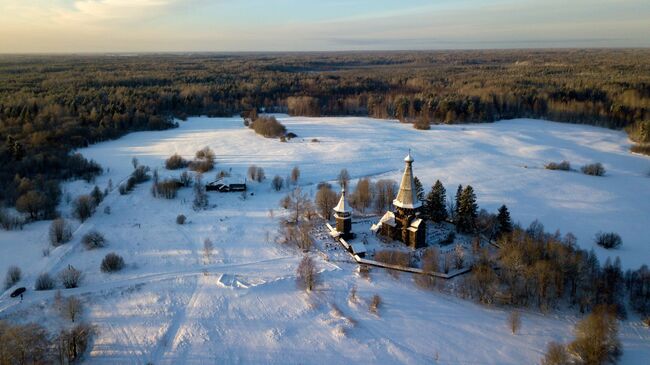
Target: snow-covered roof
(388, 218)
(232, 180)
(342, 206)
(407, 196)
(416, 223)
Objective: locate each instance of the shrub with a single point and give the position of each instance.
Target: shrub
(594, 169)
(256, 173)
(185, 179)
(70, 277)
(393, 257)
(112, 262)
(201, 166)
(9, 221)
(13, 276)
(32, 203)
(556, 354)
(295, 175)
(84, 207)
(140, 174)
(204, 160)
(44, 282)
(60, 232)
(180, 219)
(608, 240)
(175, 162)
(277, 183)
(93, 239)
(643, 149)
(268, 127)
(422, 124)
(375, 303)
(168, 188)
(597, 339)
(564, 166)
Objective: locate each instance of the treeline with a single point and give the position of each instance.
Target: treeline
(50, 105)
(536, 268)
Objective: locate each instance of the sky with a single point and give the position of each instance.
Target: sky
(53, 26)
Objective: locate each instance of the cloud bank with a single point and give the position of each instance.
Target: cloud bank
(308, 25)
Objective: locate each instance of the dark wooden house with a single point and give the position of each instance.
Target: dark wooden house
(227, 184)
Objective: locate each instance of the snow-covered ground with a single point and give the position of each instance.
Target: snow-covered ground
(173, 305)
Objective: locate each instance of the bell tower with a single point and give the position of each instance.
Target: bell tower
(343, 216)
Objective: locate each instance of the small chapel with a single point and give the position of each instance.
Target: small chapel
(403, 223)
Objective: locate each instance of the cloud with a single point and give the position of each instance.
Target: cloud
(292, 25)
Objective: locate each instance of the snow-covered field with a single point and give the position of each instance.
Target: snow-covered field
(171, 305)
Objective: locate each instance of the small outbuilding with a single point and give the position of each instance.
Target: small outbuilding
(227, 184)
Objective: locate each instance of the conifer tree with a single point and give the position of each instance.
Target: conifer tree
(459, 193)
(503, 221)
(467, 210)
(435, 202)
(419, 190)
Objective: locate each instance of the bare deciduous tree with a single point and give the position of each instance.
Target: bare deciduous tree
(385, 191)
(343, 178)
(362, 196)
(200, 196)
(326, 199)
(83, 207)
(295, 175)
(60, 232)
(298, 204)
(306, 274)
(514, 321)
(72, 307)
(208, 246)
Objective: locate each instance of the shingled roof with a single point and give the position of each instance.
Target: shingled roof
(342, 207)
(407, 196)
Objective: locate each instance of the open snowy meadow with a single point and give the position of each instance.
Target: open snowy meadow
(173, 305)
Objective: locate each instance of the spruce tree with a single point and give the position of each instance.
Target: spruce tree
(435, 203)
(503, 221)
(419, 190)
(467, 211)
(459, 193)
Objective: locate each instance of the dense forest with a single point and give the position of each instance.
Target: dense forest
(50, 105)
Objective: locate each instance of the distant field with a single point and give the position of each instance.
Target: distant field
(172, 305)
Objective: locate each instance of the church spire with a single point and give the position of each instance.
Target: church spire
(342, 207)
(407, 196)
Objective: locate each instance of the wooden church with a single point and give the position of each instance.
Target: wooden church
(403, 223)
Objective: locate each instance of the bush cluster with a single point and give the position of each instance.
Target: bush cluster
(112, 262)
(268, 127)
